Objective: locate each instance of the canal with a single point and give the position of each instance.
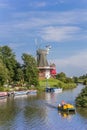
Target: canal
(39, 112)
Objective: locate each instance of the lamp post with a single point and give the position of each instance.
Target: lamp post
(47, 77)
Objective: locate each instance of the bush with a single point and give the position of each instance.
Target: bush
(1, 88)
(81, 99)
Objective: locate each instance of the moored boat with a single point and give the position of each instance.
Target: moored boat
(28, 92)
(3, 94)
(18, 93)
(55, 90)
(32, 92)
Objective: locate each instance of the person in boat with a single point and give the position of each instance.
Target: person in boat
(59, 105)
(63, 103)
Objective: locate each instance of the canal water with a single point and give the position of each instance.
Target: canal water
(39, 112)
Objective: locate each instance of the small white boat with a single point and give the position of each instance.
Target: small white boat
(28, 92)
(18, 93)
(57, 90)
(32, 92)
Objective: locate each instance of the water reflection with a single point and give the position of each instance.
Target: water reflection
(3, 101)
(82, 112)
(39, 112)
(66, 115)
(8, 111)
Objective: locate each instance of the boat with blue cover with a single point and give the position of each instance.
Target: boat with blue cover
(55, 90)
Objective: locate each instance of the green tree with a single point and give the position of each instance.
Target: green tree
(3, 73)
(30, 69)
(19, 76)
(75, 79)
(61, 76)
(69, 80)
(8, 58)
(85, 82)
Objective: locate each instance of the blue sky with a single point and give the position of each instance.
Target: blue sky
(28, 24)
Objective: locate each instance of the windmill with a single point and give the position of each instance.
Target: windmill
(42, 62)
(37, 47)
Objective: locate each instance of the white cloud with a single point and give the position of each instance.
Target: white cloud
(73, 65)
(51, 26)
(37, 4)
(59, 33)
(16, 45)
(46, 18)
(79, 60)
(41, 4)
(4, 4)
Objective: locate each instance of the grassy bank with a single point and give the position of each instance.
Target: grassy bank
(55, 83)
(51, 83)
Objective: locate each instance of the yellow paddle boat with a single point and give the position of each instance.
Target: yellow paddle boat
(66, 107)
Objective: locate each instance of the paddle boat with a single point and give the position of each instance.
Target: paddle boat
(66, 107)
